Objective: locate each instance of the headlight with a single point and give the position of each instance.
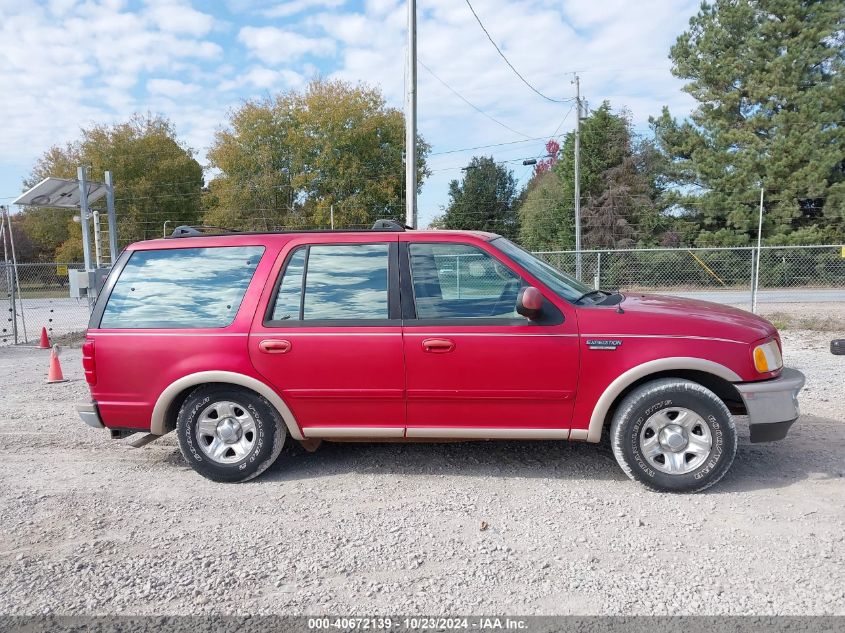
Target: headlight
(767, 357)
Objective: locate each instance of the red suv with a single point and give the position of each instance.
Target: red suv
(238, 341)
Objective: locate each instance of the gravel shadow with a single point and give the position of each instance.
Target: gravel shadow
(538, 459)
(815, 448)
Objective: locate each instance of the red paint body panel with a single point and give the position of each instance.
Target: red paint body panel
(134, 369)
(504, 376)
(135, 366)
(355, 378)
(492, 379)
(333, 376)
(484, 376)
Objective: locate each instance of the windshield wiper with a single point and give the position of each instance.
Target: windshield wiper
(591, 292)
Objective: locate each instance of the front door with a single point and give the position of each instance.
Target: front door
(328, 337)
(476, 368)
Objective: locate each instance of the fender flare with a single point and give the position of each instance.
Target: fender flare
(625, 380)
(157, 422)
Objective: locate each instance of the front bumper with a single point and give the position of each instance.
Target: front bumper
(772, 405)
(90, 415)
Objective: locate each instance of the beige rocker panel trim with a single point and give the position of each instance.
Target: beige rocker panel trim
(640, 371)
(203, 377)
(354, 431)
(468, 433)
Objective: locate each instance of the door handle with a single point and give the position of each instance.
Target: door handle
(274, 346)
(438, 345)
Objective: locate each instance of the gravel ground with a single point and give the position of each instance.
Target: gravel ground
(92, 526)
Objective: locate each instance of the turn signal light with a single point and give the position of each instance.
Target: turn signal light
(767, 357)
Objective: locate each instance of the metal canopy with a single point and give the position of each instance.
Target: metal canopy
(60, 192)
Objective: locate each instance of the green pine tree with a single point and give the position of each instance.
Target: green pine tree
(768, 78)
(484, 200)
(619, 187)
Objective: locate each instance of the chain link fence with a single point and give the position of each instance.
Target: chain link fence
(788, 274)
(36, 296)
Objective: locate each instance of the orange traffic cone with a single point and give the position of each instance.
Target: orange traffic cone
(45, 340)
(55, 373)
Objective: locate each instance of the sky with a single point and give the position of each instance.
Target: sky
(67, 64)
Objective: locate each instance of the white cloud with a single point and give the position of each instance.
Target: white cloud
(354, 29)
(66, 65)
(171, 87)
(275, 46)
(620, 48)
(292, 7)
(60, 7)
(264, 79)
(69, 63)
(177, 18)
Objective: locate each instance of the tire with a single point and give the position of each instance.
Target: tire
(229, 434)
(673, 435)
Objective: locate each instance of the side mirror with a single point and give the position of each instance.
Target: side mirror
(837, 346)
(529, 303)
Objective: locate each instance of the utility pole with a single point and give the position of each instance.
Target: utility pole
(577, 83)
(17, 277)
(10, 277)
(411, 120)
(82, 176)
(95, 215)
(112, 218)
(755, 265)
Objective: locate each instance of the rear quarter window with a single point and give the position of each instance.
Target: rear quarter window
(181, 288)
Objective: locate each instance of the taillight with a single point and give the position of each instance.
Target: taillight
(88, 363)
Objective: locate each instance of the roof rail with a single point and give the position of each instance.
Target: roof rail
(389, 225)
(201, 230)
(195, 231)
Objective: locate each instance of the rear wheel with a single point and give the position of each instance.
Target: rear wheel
(229, 434)
(673, 435)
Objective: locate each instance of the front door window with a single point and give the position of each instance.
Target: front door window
(459, 281)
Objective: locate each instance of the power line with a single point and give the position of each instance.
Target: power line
(470, 104)
(507, 61)
(471, 149)
(562, 121)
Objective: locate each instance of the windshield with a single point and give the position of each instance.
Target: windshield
(562, 284)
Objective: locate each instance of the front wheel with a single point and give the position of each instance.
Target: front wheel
(229, 434)
(673, 435)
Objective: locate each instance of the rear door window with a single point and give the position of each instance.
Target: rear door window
(342, 282)
(181, 288)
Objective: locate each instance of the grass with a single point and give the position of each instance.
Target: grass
(816, 323)
(72, 339)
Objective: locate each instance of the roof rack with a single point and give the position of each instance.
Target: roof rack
(195, 231)
(201, 230)
(389, 225)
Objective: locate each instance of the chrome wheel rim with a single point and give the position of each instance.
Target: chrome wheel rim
(676, 440)
(226, 432)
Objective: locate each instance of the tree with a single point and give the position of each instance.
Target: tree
(545, 215)
(768, 79)
(484, 200)
(156, 179)
(286, 161)
(550, 160)
(625, 211)
(619, 189)
(25, 248)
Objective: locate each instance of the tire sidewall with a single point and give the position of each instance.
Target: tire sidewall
(267, 430)
(713, 412)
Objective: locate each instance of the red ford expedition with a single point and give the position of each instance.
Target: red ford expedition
(239, 341)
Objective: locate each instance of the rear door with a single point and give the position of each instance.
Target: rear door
(327, 335)
(476, 368)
